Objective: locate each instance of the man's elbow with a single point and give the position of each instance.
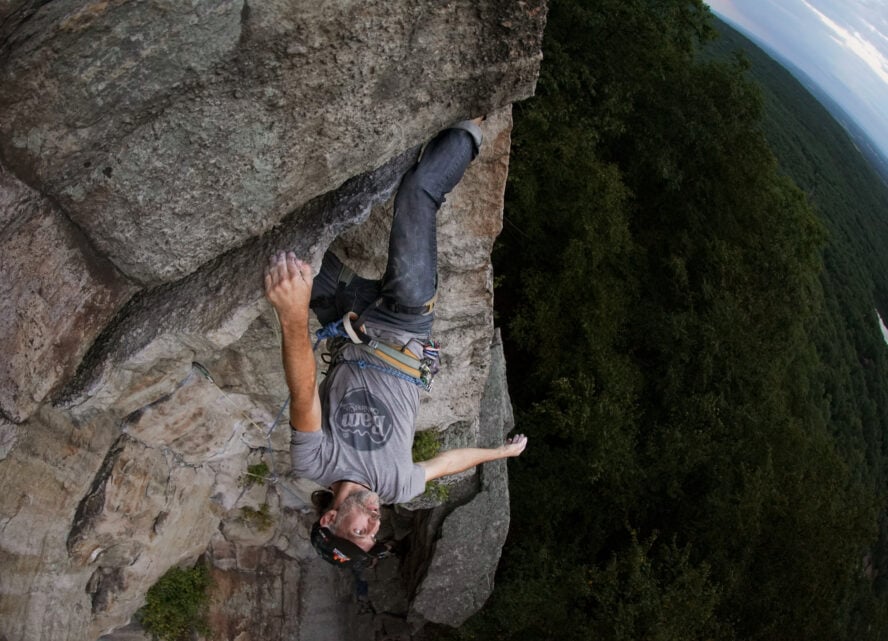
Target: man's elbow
(433, 469)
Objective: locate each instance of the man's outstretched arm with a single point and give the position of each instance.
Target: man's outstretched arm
(288, 288)
(455, 461)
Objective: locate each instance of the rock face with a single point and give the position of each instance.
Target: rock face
(459, 578)
(152, 155)
(58, 295)
(154, 122)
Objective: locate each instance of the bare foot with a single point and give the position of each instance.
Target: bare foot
(514, 445)
(288, 286)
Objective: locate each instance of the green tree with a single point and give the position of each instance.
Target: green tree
(694, 463)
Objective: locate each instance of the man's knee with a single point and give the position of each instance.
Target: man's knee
(421, 182)
(443, 163)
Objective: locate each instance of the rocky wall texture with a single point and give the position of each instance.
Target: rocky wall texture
(152, 155)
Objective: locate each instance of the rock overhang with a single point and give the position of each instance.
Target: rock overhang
(135, 176)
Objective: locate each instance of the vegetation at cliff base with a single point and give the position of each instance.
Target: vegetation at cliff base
(693, 351)
(426, 445)
(257, 474)
(176, 606)
(259, 519)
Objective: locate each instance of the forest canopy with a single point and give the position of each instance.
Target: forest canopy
(693, 350)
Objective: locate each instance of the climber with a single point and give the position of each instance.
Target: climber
(354, 434)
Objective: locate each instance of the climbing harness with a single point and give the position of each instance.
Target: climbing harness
(395, 361)
(400, 363)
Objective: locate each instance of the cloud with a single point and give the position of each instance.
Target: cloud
(855, 43)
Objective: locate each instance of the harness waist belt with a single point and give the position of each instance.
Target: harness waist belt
(405, 361)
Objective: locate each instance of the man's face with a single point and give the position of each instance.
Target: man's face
(357, 519)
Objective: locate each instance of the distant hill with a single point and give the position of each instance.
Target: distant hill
(733, 33)
(843, 174)
(858, 136)
(850, 196)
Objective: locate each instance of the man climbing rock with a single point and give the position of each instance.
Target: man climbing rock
(354, 434)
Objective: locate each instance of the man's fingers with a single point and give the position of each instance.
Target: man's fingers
(298, 268)
(273, 270)
(286, 266)
(274, 262)
(289, 267)
(516, 444)
(275, 259)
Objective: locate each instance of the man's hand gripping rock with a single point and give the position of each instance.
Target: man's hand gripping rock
(288, 283)
(288, 287)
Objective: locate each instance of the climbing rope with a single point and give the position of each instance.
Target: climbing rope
(266, 432)
(330, 330)
(391, 371)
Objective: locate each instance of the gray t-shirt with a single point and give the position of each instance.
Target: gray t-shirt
(366, 435)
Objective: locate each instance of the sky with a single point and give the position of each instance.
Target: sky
(842, 45)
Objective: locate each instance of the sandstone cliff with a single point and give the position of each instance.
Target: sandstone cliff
(152, 154)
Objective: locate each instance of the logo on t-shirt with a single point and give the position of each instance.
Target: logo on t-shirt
(364, 420)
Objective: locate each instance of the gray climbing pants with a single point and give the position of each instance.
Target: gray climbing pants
(403, 298)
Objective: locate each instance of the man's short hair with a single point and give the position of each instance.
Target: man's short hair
(342, 552)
